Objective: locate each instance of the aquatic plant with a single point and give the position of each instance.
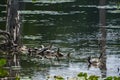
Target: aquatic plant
(84, 76)
(33, 0)
(3, 73)
(93, 77)
(112, 78)
(58, 78)
(17, 77)
(2, 62)
(81, 74)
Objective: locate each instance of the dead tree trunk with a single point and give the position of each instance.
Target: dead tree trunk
(13, 21)
(102, 22)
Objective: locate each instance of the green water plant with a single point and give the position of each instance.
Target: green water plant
(108, 78)
(17, 77)
(112, 78)
(116, 78)
(34, 0)
(3, 73)
(93, 77)
(2, 62)
(82, 75)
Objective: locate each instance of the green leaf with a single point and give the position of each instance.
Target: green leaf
(93, 77)
(80, 74)
(116, 78)
(3, 73)
(85, 75)
(34, 0)
(109, 78)
(17, 77)
(2, 62)
(58, 78)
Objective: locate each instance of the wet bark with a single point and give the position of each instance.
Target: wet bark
(102, 22)
(13, 21)
(13, 27)
(102, 2)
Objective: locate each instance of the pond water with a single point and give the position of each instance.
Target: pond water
(74, 27)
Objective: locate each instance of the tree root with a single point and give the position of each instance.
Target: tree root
(7, 43)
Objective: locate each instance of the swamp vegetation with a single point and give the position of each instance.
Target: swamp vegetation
(59, 40)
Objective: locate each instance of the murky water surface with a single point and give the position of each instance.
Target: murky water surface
(74, 27)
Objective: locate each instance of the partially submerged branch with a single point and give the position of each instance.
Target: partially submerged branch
(8, 43)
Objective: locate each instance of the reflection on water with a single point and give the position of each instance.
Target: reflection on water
(49, 12)
(50, 1)
(73, 27)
